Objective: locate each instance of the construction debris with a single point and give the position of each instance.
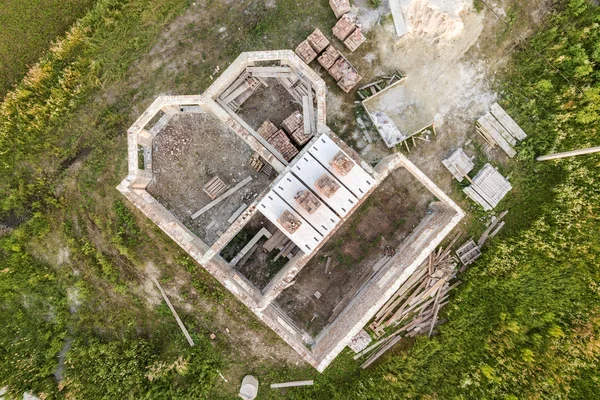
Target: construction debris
(459, 164)
(488, 187)
(256, 162)
(340, 7)
(305, 52)
(344, 27)
(360, 341)
(214, 187)
(470, 251)
(329, 57)
(318, 41)
(498, 128)
(222, 197)
(355, 39)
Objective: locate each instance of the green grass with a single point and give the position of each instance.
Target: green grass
(28, 29)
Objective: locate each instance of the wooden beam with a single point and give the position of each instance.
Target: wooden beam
(179, 322)
(221, 197)
(569, 154)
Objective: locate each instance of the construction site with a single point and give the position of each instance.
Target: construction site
(327, 249)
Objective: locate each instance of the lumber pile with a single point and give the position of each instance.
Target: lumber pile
(415, 306)
(499, 129)
(256, 162)
(239, 91)
(459, 164)
(488, 187)
(381, 83)
(279, 241)
(470, 251)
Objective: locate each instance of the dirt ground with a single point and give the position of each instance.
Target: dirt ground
(273, 103)
(382, 222)
(261, 267)
(187, 153)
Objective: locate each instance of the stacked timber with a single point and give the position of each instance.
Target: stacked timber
(306, 52)
(355, 39)
(317, 41)
(256, 162)
(498, 128)
(329, 57)
(282, 243)
(488, 187)
(459, 164)
(470, 251)
(415, 306)
(236, 94)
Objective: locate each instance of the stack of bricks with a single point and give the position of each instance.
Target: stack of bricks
(317, 41)
(342, 163)
(345, 74)
(355, 39)
(348, 32)
(329, 57)
(289, 222)
(306, 52)
(267, 129)
(339, 7)
(278, 139)
(344, 27)
(308, 201)
(283, 145)
(327, 185)
(294, 126)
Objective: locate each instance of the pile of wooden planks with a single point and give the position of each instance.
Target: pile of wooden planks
(372, 88)
(236, 94)
(281, 242)
(470, 251)
(416, 304)
(498, 128)
(488, 187)
(459, 164)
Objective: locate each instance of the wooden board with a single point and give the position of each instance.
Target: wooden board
(506, 121)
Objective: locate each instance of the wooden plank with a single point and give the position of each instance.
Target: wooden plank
(221, 197)
(234, 85)
(237, 92)
(273, 241)
(179, 322)
(237, 213)
(506, 121)
(250, 244)
(275, 69)
(291, 384)
(327, 264)
(469, 191)
(500, 129)
(496, 136)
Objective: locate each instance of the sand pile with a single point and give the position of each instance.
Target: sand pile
(433, 20)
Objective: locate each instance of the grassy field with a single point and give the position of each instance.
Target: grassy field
(524, 325)
(28, 29)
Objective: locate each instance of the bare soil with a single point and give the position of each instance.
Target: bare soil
(187, 153)
(382, 222)
(273, 103)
